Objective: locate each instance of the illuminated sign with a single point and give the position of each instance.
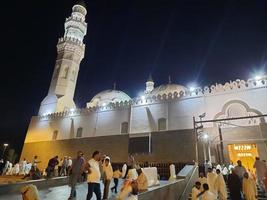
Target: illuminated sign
(242, 147)
(244, 154)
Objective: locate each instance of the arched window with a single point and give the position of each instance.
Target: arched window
(66, 71)
(73, 75)
(79, 132)
(162, 124)
(124, 127)
(55, 134)
(56, 72)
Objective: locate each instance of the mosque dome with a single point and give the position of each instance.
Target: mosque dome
(168, 88)
(108, 96)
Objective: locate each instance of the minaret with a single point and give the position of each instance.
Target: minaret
(70, 52)
(149, 84)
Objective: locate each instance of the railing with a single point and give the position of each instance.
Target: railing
(163, 168)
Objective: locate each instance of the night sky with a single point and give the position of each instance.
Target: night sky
(194, 41)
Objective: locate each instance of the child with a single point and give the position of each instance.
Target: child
(196, 191)
(108, 173)
(116, 175)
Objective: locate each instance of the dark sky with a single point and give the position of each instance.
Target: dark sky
(194, 41)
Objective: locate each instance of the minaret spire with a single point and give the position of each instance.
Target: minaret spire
(149, 84)
(170, 81)
(114, 86)
(70, 52)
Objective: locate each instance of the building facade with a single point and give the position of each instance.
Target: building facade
(157, 125)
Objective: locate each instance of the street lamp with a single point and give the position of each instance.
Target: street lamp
(257, 77)
(5, 146)
(143, 97)
(205, 136)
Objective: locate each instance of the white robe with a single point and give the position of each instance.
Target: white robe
(16, 169)
(23, 167)
(28, 168)
(249, 189)
(211, 179)
(230, 167)
(225, 171)
(9, 169)
(195, 192)
(5, 170)
(221, 187)
(260, 169)
(219, 167)
(208, 195)
(124, 169)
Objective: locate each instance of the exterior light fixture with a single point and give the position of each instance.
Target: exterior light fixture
(205, 136)
(257, 77)
(192, 89)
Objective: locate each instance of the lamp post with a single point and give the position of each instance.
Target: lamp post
(5, 146)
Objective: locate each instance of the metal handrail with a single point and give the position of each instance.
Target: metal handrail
(189, 180)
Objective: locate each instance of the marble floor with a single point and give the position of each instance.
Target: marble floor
(60, 193)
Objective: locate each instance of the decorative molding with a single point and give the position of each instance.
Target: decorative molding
(231, 86)
(238, 108)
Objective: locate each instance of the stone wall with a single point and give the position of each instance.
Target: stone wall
(116, 146)
(167, 146)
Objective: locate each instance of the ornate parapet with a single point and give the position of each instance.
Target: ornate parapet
(236, 85)
(231, 86)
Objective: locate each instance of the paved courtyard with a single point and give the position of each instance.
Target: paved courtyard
(10, 179)
(59, 193)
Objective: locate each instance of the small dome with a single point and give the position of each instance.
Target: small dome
(168, 88)
(79, 8)
(106, 97)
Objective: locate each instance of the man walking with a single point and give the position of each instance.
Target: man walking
(76, 170)
(53, 162)
(249, 188)
(221, 186)
(94, 175)
(260, 172)
(211, 179)
(234, 185)
(240, 170)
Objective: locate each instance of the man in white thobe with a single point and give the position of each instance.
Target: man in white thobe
(231, 167)
(249, 188)
(23, 166)
(220, 185)
(211, 179)
(219, 167)
(260, 172)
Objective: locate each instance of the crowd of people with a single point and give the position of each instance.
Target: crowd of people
(98, 169)
(95, 170)
(211, 185)
(21, 168)
(242, 183)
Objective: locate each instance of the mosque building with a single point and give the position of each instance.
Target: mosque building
(157, 126)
